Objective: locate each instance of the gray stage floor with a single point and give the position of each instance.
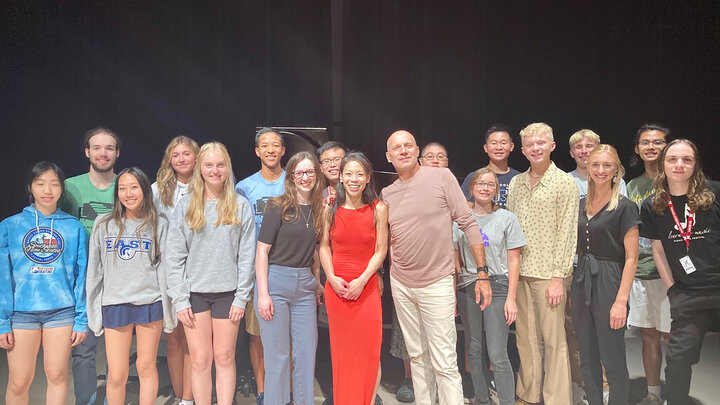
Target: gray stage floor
(705, 385)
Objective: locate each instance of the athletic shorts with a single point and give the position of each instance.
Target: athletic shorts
(121, 315)
(217, 303)
(649, 305)
(33, 320)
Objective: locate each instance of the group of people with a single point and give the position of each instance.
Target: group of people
(569, 259)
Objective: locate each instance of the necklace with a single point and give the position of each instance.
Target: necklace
(307, 218)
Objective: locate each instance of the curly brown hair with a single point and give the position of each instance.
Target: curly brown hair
(699, 195)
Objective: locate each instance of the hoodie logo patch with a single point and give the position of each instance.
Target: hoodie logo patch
(42, 270)
(126, 247)
(41, 246)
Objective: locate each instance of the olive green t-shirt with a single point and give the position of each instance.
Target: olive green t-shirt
(638, 190)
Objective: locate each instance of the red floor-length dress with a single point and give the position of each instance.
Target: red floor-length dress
(355, 326)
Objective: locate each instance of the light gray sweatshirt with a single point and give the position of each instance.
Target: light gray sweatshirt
(216, 258)
(121, 271)
(181, 190)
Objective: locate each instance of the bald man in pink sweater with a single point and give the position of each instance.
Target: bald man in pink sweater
(423, 203)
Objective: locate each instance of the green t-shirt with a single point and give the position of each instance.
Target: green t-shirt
(638, 190)
(85, 201)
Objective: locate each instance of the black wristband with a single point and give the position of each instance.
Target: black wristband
(482, 268)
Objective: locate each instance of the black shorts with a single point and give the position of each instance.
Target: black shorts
(217, 303)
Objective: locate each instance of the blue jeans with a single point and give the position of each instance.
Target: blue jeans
(83, 369)
(492, 321)
(292, 291)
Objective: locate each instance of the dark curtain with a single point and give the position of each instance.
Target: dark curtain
(151, 71)
(445, 70)
(448, 70)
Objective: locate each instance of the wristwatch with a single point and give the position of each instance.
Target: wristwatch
(482, 268)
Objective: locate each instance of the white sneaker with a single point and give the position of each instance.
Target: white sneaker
(606, 397)
(650, 399)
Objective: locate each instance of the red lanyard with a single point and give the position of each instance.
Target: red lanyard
(690, 219)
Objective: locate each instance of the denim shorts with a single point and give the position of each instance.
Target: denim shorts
(33, 320)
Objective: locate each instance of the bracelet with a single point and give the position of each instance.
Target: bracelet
(482, 279)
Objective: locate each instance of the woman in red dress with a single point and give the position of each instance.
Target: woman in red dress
(352, 249)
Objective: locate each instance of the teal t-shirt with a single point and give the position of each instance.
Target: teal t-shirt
(638, 190)
(85, 201)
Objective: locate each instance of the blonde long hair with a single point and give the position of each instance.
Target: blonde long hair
(617, 177)
(288, 202)
(699, 195)
(166, 177)
(227, 203)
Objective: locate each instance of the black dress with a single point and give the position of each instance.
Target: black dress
(595, 285)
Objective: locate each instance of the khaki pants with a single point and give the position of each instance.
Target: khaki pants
(427, 319)
(541, 335)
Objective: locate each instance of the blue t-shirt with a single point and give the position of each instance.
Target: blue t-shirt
(503, 181)
(258, 191)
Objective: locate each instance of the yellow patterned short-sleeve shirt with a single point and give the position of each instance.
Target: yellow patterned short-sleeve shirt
(548, 215)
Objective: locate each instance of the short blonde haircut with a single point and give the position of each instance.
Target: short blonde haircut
(537, 128)
(582, 134)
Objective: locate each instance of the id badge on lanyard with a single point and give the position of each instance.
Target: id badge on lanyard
(686, 233)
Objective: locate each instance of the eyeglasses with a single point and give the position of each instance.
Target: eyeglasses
(328, 161)
(439, 156)
(480, 184)
(298, 175)
(657, 142)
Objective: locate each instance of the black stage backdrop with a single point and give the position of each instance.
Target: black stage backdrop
(444, 70)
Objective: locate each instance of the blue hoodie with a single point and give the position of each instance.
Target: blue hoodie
(43, 262)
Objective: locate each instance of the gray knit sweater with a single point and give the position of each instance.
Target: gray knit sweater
(121, 271)
(216, 258)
